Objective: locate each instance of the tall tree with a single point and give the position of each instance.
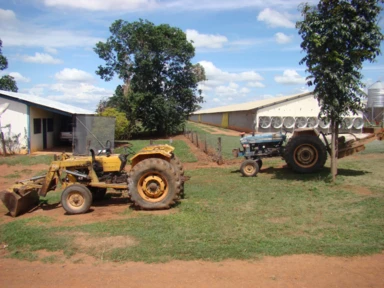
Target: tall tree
(154, 62)
(338, 37)
(7, 82)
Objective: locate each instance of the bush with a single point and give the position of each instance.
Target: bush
(121, 127)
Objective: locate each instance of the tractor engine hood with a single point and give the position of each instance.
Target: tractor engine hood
(263, 138)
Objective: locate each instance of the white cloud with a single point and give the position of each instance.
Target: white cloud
(244, 91)
(79, 93)
(41, 58)
(85, 95)
(281, 38)
(73, 75)
(104, 5)
(275, 19)
(205, 40)
(231, 91)
(7, 16)
(19, 78)
(174, 5)
(50, 50)
(36, 90)
(17, 33)
(255, 84)
(217, 76)
(290, 77)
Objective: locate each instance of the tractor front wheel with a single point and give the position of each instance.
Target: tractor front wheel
(249, 168)
(76, 199)
(154, 184)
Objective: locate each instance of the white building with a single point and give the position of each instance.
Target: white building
(272, 114)
(35, 123)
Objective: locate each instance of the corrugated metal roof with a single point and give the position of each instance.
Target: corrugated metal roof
(40, 101)
(251, 105)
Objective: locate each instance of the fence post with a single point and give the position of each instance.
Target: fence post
(197, 140)
(151, 142)
(205, 145)
(193, 137)
(219, 150)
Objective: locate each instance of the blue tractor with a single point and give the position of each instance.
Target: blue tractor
(304, 152)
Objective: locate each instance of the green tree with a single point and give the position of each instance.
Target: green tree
(159, 81)
(338, 37)
(7, 82)
(121, 125)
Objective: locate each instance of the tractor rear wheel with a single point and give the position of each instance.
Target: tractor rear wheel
(76, 199)
(180, 170)
(153, 184)
(175, 161)
(305, 153)
(249, 168)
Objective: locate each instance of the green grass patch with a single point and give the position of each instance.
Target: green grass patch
(12, 175)
(376, 147)
(26, 160)
(226, 216)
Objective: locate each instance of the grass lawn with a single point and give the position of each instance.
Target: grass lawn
(226, 216)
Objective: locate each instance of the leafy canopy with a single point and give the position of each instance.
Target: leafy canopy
(154, 62)
(338, 37)
(7, 82)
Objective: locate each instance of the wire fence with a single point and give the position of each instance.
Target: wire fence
(209, 144)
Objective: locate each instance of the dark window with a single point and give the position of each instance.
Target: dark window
(37, 126)
(50, 125)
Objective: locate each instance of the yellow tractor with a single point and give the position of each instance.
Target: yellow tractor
(155, 180)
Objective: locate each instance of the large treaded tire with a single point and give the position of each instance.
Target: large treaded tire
(154, 184)
(305, 153)
(180, 170)
(76, 199)
(177, 163)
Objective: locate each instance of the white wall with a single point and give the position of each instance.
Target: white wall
(17, 119)
(306, 106)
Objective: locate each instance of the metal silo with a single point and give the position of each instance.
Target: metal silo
(375, 103)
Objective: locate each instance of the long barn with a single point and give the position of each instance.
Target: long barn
(273, 114)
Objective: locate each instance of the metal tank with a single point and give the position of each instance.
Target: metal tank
(375, 103)
(376, 95)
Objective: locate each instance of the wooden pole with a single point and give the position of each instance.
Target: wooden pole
(219, 151)
(3, 144)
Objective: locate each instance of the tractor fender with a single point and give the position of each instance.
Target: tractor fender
(305, 131)
(164, 152)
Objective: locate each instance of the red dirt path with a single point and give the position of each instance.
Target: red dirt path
(287, 271)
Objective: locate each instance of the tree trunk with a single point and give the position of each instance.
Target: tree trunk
(334, 146)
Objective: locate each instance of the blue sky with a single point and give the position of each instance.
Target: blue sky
(250, 48)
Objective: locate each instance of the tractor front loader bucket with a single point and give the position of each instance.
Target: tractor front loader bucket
(19, 203)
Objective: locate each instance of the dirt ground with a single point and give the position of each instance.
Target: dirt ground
(85, 271)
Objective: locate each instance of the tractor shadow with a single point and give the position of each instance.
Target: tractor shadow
(285, 173)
